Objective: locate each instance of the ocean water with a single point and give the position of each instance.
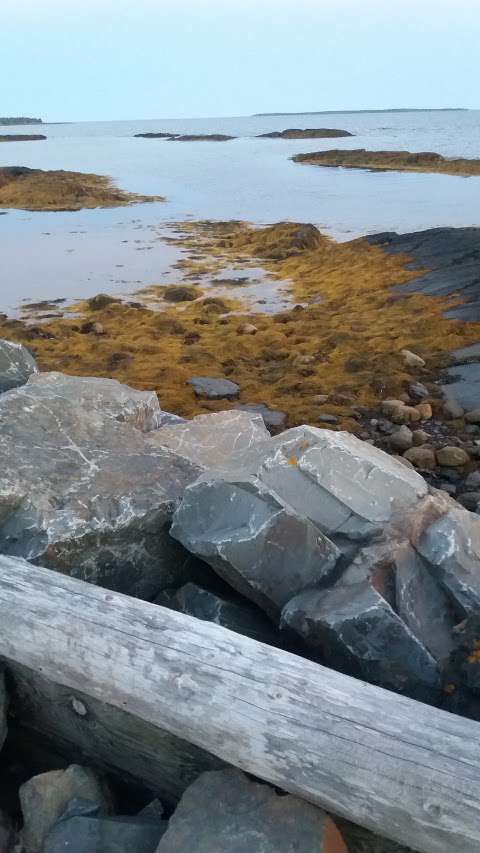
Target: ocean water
(77, 254)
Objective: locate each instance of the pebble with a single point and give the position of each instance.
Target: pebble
(411, 359)
(421, 457)
(247, 329)
(452, 457)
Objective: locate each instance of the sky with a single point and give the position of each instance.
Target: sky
(67, 60)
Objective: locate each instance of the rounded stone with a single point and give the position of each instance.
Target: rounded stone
(402, 439)
(452, 410)
(452, 457)
(411, 359)
(420, 436)
(421, 457)
(425, 411)
(473, 417)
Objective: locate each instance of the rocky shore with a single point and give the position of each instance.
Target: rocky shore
(22, 188)
(311, 540)
(391, 161)
(307, 133)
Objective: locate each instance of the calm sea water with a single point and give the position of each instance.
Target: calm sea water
(52, 255)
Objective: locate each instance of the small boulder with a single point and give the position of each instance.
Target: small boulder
(402, 439)
(473, 417)
(16, 365)
(470, 500)
(411, 359)
(247, 329)
(472, 483)
(425, 411)
(44, 799)
(238, 616)
(422, 458)
(355, 630)
(420, 436)
(452, 457)
(225, 812)
(320, 399)
(406, 415)
(327, 418)
(418, 391)
(452, 410)
(212, 388)
(83, 829)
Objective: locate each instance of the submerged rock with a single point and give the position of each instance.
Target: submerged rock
(211, 607)
(355, 630)
(84, 489)
(211, 439)
(16, 365)
(44, 799)
(82, 829)
(225, 812)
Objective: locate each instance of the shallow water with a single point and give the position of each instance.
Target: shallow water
(72, 255)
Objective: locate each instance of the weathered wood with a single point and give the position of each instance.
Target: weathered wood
(395, 766)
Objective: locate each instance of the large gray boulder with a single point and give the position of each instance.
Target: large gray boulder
(274, 519)
(86, 488)
(211, 439)
(224, 812)
(354, 629)
(16, 365)
(45, 798)
(239, 616)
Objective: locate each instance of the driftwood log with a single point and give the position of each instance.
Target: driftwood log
(400, 768)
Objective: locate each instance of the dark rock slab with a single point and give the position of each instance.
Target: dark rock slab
(274, 419)
(225, 812)
(466, 656)
(155, 135)
(82, 829)
(85, 490)
(214, 388)
(3, 710)
(16, 365)
(307, 133)
(241, 617)
(44, 799)
(7, 834)
(22, 137)
(355, 630)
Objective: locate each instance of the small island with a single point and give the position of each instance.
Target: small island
(308, 133)
(34, 189)
(187, 137)
(391, 161)
(21, 137)
(5, 120)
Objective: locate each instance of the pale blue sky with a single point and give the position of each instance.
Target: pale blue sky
(135, 59)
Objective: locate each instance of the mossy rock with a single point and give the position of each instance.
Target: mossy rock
(181, 294)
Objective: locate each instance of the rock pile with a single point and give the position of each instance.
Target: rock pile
(312, 539)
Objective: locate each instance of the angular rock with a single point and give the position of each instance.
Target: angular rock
(225, 812)
(81, 829)
(3, 711)
(16, 365)
(450, 545)
(355, 630)
(44, 799)
(452, 457)
(203, 604)
(214, 388)
(211, 439)
(84, 489)
(108, 397)
(274, 419)
(263, 518)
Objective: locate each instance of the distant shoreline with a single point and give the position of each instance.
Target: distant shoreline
(349, 112)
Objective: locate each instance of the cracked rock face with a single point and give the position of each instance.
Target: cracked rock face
(355, 630)
(84, 489)
(16, 365)
(246, 817)
(274, 519)
(210, 439)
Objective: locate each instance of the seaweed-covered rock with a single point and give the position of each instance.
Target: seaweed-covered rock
(355, 630)
(274, 519)
(16, 365)
(211, 607)
(84, 489)
(82, 829)
(211, 439)
(44, 799)
(225, 812)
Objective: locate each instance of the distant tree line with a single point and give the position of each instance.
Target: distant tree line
(20, 120)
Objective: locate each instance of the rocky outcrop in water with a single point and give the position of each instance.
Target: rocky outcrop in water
(308, 133)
